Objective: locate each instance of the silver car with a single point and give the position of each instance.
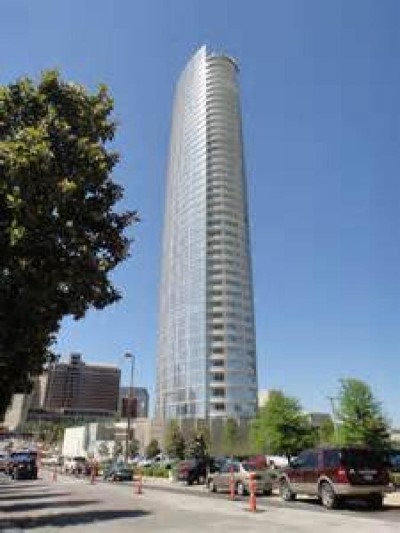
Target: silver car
(221, 481)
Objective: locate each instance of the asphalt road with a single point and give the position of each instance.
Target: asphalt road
(76, 506)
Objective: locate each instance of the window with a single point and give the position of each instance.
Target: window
(307, 460)
(331, 458)
(229, 467)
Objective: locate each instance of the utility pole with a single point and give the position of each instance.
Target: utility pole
(130, 397)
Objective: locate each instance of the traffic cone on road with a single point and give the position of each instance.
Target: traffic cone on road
(92, 474)
(252, 499)
(139, 486)
(231, 485)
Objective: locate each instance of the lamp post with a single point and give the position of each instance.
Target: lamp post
(128, 425)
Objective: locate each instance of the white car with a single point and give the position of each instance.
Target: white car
(162, 460)
(145, 462)
(74, 465)
(277, 461)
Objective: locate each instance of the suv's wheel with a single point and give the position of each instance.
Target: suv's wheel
(328, 497)
(267, 492)
(285, 492)
(241, 489)
(375, 501)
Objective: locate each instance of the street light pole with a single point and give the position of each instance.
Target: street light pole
(128, 425)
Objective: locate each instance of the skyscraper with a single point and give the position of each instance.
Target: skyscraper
(206, 340)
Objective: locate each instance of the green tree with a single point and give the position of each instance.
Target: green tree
(281, 427)
(117, 449)
(326, 433)
(174, 441)
(60, 235)
(103, 450)
(152, 449)
(230, 437)
(360, 417)
(133, 448)
(196, 447)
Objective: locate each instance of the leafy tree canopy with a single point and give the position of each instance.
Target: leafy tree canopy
(152, 449)
(359, 416)
(281, 427)
(103, 450)
(196, 447)
(133, 448)
(117, 449)
(326, 433)
(174, 440)
(230, 436)
(60, 236)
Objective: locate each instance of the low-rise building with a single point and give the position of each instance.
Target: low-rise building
(71, 390)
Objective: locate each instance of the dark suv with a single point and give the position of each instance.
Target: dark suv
(22, 465)
(334, 474)
(196, 470)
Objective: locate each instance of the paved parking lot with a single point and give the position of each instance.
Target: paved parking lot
(71, 505)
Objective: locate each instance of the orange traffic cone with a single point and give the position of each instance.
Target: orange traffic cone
(92, 475)
(252, 499)
(232, 485)
(139, 486)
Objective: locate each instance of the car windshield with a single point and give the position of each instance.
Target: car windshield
(250, 467)
(359, 459)
(22, 456)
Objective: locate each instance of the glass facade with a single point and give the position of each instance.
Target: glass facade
(206, 341)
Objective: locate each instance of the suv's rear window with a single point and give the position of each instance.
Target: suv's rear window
(394, 460)
(359, 459)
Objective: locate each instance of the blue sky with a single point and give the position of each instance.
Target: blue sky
(320, 91)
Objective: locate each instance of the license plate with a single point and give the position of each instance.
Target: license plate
(368, 477)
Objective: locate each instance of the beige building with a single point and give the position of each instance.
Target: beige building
(17, 413)
(86, 440)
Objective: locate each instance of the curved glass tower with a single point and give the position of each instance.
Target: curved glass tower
(206, 340)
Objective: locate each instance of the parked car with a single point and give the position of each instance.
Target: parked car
(334, 474)
(145, 462)
(75, 465)
(192, 471)
(196, 470)
(241, 471)
(118, 472)
(22, 465)
(51, 460)
(276, 461)
(162, 460)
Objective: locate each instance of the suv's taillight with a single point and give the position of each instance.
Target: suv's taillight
(341, 476)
